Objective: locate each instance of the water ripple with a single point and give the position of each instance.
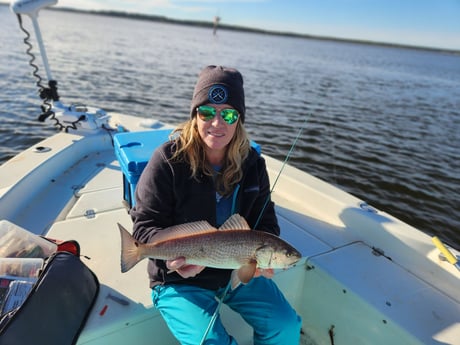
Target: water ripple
(382, 123)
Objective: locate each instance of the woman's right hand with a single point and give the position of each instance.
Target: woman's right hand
(180, 266)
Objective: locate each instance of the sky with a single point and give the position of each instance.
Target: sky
(426, 23)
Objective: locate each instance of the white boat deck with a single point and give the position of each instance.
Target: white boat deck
(406, 296)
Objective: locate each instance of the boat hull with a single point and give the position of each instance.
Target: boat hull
(365, 277)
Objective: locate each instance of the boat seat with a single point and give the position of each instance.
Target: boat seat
(133, 151)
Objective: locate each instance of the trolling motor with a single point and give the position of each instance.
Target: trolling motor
(76, 117)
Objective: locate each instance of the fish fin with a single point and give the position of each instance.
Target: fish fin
(247, 271)
(235, 222)
(264, 256)
(183, 230)
(130, 255)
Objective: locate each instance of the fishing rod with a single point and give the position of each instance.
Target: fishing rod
(286, 159)
(267, 200)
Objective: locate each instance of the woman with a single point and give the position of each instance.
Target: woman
(210, 172)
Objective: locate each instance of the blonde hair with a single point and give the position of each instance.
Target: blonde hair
(190, 148)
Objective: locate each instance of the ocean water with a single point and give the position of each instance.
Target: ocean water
(382, 123)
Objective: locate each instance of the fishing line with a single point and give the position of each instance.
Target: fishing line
(282, 168)
(216, 312)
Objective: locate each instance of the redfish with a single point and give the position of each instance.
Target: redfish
(233, 246)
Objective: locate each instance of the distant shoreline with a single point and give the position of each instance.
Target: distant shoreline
(205, 24)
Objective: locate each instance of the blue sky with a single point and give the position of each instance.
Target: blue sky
(430, 23)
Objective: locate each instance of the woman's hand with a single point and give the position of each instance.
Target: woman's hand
(265, 272)
(180, 266)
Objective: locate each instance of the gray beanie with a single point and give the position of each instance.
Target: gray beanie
(219, 85)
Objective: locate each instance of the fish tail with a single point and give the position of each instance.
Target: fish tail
(130, 253)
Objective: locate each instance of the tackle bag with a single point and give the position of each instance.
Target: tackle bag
(57, 307)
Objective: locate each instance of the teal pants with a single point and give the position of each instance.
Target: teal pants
(188, 310)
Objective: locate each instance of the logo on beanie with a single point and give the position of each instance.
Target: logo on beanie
(218, 94)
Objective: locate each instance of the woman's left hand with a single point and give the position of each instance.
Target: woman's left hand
(185, 270)
(264, 272)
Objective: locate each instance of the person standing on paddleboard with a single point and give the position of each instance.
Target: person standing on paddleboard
(209, 171)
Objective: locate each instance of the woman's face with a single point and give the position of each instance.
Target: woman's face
(216, 133)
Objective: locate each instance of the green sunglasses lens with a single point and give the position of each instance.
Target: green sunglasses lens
(207, 113)
(229, 115)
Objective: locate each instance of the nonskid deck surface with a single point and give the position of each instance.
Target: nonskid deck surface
(98, 206)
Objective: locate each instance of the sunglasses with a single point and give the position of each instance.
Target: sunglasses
(206, 113)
